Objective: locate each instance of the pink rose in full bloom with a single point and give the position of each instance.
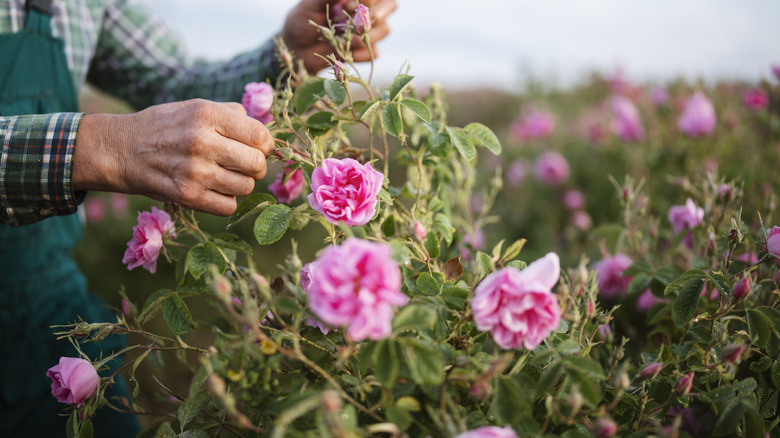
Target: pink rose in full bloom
(144, 248)
(626, 122)
(534, 124)
(345, 191)
(698, 117)
(609, 274)
(773, 244)
(518, 307)
(551, 169)
(489, 432)
(356, 285)
(288, 184)
(73, 380)
(685, 217)
(362, 19)
(257, 100)
(755, 99)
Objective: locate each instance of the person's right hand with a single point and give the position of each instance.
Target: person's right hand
(197, 154)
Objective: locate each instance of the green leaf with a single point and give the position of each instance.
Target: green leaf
(194, 433)
(308, 93)
(322, 120)
(177, 315)
(420, 109)
(427, 284)
(191, 406)
(231, 241)
(399, 416)
(587, 386)
(439, 144)
(684, 306)
(252, 204)
(513, 250)
(729, 419)
(201, 256)
(136, 362)
(386, 364)
(399, 84)
(509, 403)
(585, 365)
(272, 223)
(721, 393)
(335, 91)
(165, 431)
(639, 283)
(484, 137)
(462, 143)
(392, 120)
(370, 110)
(721, 281)
(754, 426)
(748, 384)
(87, 431)
(774, 317)
(678, 283)
(425, 364)
(416, 316)
(549, 378)
(758, 327)
(432, 245)
(775, 374)
(152, 304)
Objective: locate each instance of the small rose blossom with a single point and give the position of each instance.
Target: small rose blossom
(257, 100)
(732, 353)
(119, 204)
(345, 191)
(698, 117)
(533, 125)
(685, 217)
(551, 169)
(741, 289)
(606, 333)
(609, 275)
(519, 307)
(605, 428)
(659, 96)
(357, 285)
(626, 123)
(95, 210)
(418, 230)
(288, 184)
(362, 19)
(489, 432)
(755, 99)
(647, 300)
(581, 220)
(73, 380)
(684, 384)
(125, 307)
(652, 370)
(574, 200)
(773, 244)
(340, 71)
(711, 294)
(144, 248)
(516, 173)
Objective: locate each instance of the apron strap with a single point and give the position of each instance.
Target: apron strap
(38, 19)
(40, 5)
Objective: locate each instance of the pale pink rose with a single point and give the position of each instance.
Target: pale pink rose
(773, 244)
(345, 191)
(362, 19)
(489, 432)
(755, 99)
(698, 117)
(581, 220)
(534, 124)
(95, 210)
(144, 248)
(357, 285)
(551, 169)
(119, 204)
(685, 217)
(519, 307)
(647, 300)
(516, 173)
(626, 123)
(609, 275)
(73, 380)
(257, 100)
(288, 184)
(659, 96)
(574, 200)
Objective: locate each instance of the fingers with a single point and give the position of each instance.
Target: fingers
(235, 156)
(236, 125)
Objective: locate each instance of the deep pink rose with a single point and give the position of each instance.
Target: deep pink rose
(288, 184)
(659, 96)
(144, 248)
(257, 100)
(534, 124)
(574, 200)
(755, 99)
(356, 285)
(609, 274)
(741, 289)
(685, 217)
(362, 19)
(626, 123)
(73, 380)
(345, 191)
(732, 353)
(647, 300)
(489, 432)
(551, 169)
(518, 307)
(773, 244)
(698, 117)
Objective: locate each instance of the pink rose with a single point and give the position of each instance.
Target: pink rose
(626, 122)
(574, 200)
(647, 300)
(609, 275)
(659, 96)
(698, 117)
(755, 99)
(732, 353)
(773, 244)
(684, 384)
(581, 220)
(288, 184)
(345, 191)
(356, 285)
(741, 289)
(685, 217)
(518, 307)
(551, 169)
(95, 210)
(652, 370)
(144, 248)
(119, 204)
(605, 428)
(419, 232)
(776, 71)
(489, 432)
(516, 173)
(257, 100)
(362, 19)
(534, 124)
(73, 380)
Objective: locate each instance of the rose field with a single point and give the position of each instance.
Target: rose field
(592, 261)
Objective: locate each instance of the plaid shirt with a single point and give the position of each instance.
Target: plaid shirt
(122, 50)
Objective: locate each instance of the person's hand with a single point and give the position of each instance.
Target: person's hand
(305, 41)
(198, 154)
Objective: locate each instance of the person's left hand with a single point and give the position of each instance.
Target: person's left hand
(305, 41)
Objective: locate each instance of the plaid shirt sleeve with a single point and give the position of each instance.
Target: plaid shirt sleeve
(139, 59)
(35, 167)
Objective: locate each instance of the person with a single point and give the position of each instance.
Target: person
(188, 145)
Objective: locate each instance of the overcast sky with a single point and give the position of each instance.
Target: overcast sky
(496, 43)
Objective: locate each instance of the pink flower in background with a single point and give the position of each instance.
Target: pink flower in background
(475, 239)
(685, 217)
(659, 96)
(144, 248)
(581, 220)
(362, 19)
(551, 169)
(534, 124)
(755, 99)
(776, 71)
(711, 294)
(647, 300)
(773, 244)
(288, 184)
(690, 422)
(605, 428)
(356, 285)
(626, 123)
(257, 100)
(489, 432)
(516, 173)
(518, 307)
(574, 200)
(73, 380)
(119, 204)
(698, 117)
(95, 210)
(609, 274)
(345, 191)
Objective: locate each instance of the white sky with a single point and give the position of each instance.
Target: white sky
(496, 43)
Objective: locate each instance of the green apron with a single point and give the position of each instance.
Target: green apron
(40, 283)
